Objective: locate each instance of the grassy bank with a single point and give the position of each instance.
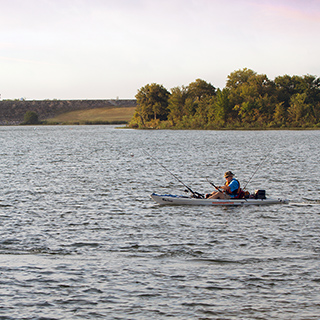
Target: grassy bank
(94, 116)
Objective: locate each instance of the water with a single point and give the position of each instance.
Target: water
(81, 239)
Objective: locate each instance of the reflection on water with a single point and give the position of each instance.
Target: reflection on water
(81, 239)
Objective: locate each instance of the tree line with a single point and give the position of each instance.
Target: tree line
(249, 100)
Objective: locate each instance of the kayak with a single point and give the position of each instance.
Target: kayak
(169, 199)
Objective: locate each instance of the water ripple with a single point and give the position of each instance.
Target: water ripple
(80, 238)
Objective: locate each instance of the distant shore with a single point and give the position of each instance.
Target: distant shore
(12, 112)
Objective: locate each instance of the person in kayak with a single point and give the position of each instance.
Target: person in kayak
(231, 189)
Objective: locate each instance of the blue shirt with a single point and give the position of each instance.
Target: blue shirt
(234, 186)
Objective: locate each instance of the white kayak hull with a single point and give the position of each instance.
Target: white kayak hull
(169, 199)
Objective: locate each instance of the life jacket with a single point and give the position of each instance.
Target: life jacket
(238, 193)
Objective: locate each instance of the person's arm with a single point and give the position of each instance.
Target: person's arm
(224, 188)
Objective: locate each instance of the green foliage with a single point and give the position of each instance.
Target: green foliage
(31, 117)
(200, 89)
(219, 108)
(250, 100)
(152, 104)
(177, 104)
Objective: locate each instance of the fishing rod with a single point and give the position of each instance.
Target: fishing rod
(213, 185)
(196, 194)
(263, 160)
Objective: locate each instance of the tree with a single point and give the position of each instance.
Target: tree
(279, 115)
(286, 87)
(239, 77)
(300, 97)
(219, 107)
(176, 105)
(312, 88)
(251, 95)
(200, 89)
(31, 117)
(196, 92)
(201, 114)
(152, 103)
(298, 108)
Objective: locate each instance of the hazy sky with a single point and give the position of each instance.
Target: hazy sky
(104, 49)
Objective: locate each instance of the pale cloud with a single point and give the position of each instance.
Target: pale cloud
(294, 16)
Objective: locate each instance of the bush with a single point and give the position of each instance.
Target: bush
(31, 117)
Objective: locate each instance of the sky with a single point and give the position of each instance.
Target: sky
(109, 49)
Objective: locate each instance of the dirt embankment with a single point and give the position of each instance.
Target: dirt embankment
(12, 111)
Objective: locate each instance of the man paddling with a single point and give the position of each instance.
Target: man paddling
(231, 189)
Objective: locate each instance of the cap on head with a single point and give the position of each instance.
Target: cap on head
(228, 174)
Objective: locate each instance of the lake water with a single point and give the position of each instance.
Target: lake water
(81, 239)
